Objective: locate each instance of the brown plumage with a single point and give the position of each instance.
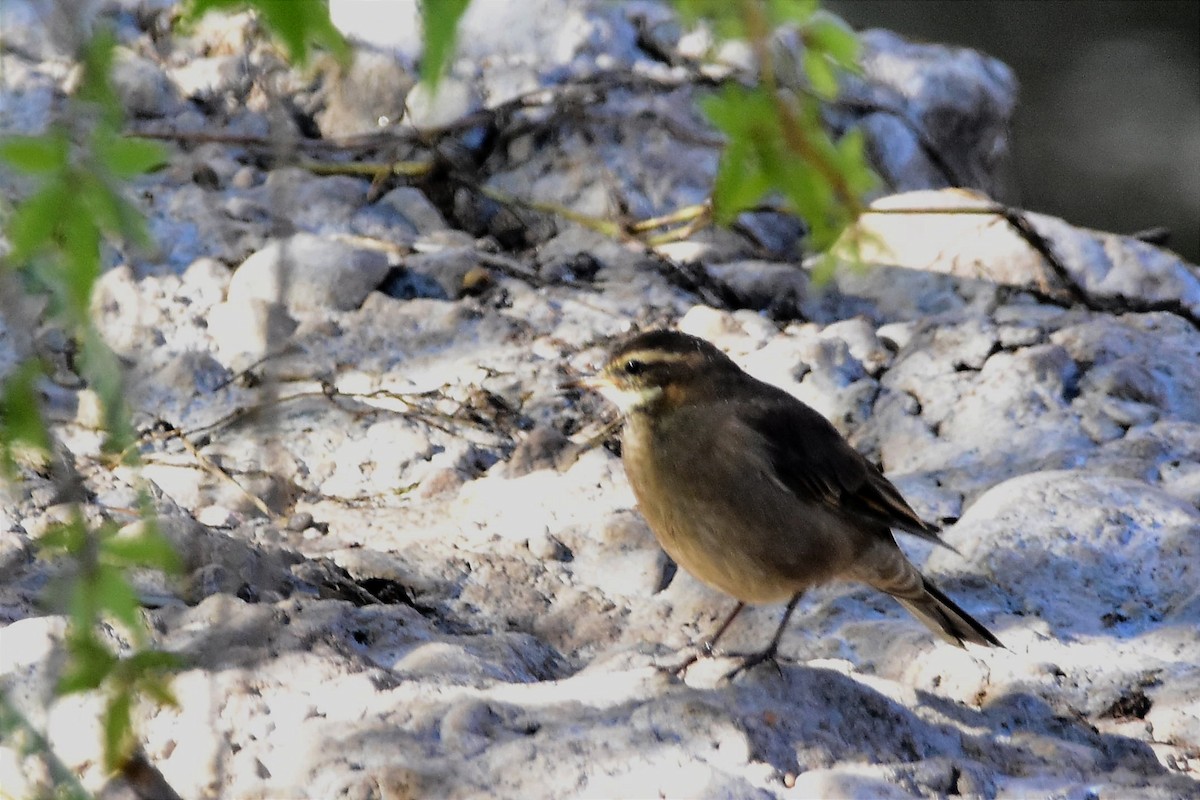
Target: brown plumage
(755, 493)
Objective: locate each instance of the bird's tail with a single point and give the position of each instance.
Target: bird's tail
(888, 570)
(944, 617)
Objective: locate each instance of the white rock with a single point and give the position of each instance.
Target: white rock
(308, 273)
(247, 328)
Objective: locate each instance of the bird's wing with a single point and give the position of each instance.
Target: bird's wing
(814, 462)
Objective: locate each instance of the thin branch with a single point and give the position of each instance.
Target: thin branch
(217, 470)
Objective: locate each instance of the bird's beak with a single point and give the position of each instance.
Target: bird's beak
(589, 382)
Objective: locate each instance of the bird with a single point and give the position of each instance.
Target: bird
(755, 493)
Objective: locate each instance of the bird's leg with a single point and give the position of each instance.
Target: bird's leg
(769, 652)
(707, 646)
(710, 644)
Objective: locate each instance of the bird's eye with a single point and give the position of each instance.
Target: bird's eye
(633, 367)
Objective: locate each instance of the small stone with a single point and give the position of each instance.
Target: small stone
(859, 336)
(245, 178)
(367, 97)
(545, 547)
(320, 273)
(440, 481)
(412, 204)
(897, 334)
(452, 101)
(540, 449)
(142, 85)
(216, 517)
(247, 329)
(299, 521)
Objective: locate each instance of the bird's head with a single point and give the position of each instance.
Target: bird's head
(661, 368)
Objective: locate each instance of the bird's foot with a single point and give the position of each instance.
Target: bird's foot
(752, 660)
(693, 654)
(678, 668)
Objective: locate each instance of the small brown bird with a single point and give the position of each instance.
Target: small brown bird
(755, 493)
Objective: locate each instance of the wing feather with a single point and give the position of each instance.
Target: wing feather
(816, 464)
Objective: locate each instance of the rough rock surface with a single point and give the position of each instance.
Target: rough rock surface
(415, 579)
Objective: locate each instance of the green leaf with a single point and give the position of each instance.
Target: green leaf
(744, 177)
(157, 688)
(33, 224)
(35, 154)
(111, 212)
(81, 247)
(127, 157)
(118, 729)
(725, 18)
(22, 428)
(67, 537)
(820, 74)
(824, 268)
(97, 67)
(440, 20)
(852, 159)
(102, 370)
(796, 12)
(740, 182)
(831, 35)
(809, 196)
(116, 597)
(297, 23)
(148, 548)
(147, 661)
(301, 22)
(89, 664)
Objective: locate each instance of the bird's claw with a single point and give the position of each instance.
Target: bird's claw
(680, 668)
(752, 660)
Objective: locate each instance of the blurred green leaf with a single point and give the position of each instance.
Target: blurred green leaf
(440, 20)
(740, 182)
(89, 664)
(67, 537)
(115, 596)
(148, 548)
(147, 661)
(118, 728)
(796, 12)
(724, 17)
(81, 267)
(297, 23)
(158, 688)
(831, 35)
(35, 154)
(102, 370)
(821, 76)
(744, 177)
(128, 157)
(97, 67)
(32, 225)
(824, 267)
(21, 423)
(852, 149)
(111, 212)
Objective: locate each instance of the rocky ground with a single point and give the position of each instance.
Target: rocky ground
(408, 573)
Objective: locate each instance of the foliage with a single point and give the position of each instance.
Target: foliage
(776, 143)
(441, 25)
(55, 235)
(297, 23)
(301, 23)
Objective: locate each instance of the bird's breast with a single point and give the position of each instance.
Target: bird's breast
(717, 512)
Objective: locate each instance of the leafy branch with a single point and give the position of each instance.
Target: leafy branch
(76, 169)
(776, 143)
